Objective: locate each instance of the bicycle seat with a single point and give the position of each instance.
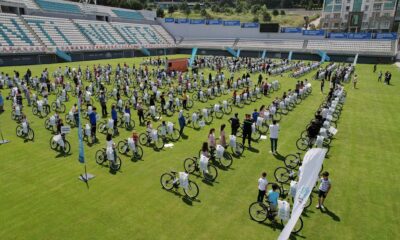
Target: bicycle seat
(174, 172)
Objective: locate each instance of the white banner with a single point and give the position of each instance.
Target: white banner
(311, 166)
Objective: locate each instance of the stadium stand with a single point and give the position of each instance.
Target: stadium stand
(15, 37)
(99, 33)
(58, 32)
(28, 3)
(207, 43)
(131, 15)
(94, 9)
(270, 44)
(382, 47)
(59, 6)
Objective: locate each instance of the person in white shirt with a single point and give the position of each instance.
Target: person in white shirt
(273, 135)
(262, 187)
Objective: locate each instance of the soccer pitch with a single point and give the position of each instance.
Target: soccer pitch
(42, 198)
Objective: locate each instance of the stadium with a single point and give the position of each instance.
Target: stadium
(181, 120)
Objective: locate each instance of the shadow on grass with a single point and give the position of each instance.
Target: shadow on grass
(61, 154)
(278, 156)
(187, 200)
(253, 150)
(331, 214)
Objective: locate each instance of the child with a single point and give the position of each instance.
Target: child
(204, 150)
(211, 138)
(135, 137)
(324, 189)
(273, 197)
(222, 137)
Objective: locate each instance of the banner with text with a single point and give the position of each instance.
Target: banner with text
(169, 20)
(359, 35)
(197, 21)
(250, 25)
(389, 36)
(314, 32)
(213, 22)
(337, 35)
(181, 20)
(290, 30)
(231, 23)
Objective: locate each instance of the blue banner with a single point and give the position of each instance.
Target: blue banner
(314, 32)
(169, 20)
(81, 157)
(213, 22)
(197, 21)
(250, 25)
(231, 23)
(390, 36)
(181, 20)
(337, 35)
(359, 35)
(290, 30)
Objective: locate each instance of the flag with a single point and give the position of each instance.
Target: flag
(311, 166)
(81, 157)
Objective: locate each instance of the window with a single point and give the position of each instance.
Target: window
(366, 7)
(336, 15)
(365, 24)
(326, 25)
(377, 6)
(346, 16)
(336, 25)
(386, 14)
(338, 1)
(385, 24)
(327, 16)
(376, 14)
(348, 8)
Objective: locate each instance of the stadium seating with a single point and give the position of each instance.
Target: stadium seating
(270, 44)
(207, 43)
(58, 32)
(59, 6)
(15, 36)
(350, 46)
(28, 3)
(131, 15)
(99, 33)
(143, 34)
(93, 9)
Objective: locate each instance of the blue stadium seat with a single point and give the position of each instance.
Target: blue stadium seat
(128, 14)
(58, 7)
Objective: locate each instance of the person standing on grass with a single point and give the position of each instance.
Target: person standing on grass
(93, 124)
(182, 122)
(114, 117)
(324, 188)
(103, 103)
(380, 76)
(322, 85)
(222, 137)
(355, 78)
(1, 103)
(235, 124)
(262, 187)
(247, 123)
(273, 135)
(374, 67)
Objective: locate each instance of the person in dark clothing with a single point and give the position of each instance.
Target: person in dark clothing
(103, 104)
(140, 113)
(322, 85)
(93, 123)
(114, 116)
(235, 124)
(247, 123)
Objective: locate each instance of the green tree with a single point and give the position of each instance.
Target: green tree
(275, 12)
(197, 7)
(203, 12)
(187, 11)
(283, 12)
(255, 8)
(256, 19)
(171, 10)
(160, 13)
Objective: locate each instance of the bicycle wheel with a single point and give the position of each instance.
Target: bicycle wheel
(47, 124)
(116, 164)
(297, 228)
(143, 139)
(219, 114)
(309, 202)
(19, 130)
(54, 106)
(34, 110)
(304, 134)
(31, 134)
(67, 147)
(192, 190)
(195, 125)
(167, 181)
(292, 161)
(212, 173)
(238, 150)
(190, 165)
(282, 175)
(100, 157)
(138, 154)
(258, 211)
(256, 135)
(226, 160)
(228, 109)
(302, 144)
(122, 147)
(53, 144)
(189, 104)
(158, 144)
(277, 116)
(175, 135)
(209, 119)
(263, 128)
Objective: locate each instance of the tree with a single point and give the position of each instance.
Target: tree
(187, 11)
(160, 13)
(255, 19)
(197, 7)
(283, 12)
(254, 9)
(275, 12)
(203, 12)
(171, 10)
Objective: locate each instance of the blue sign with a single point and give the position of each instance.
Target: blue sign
(214, 22)
(337, 35)
(231, 23)
(197, 21)
(250, 25)
(181, 20)
(169, 20)
(314, 32)
(291, 30)
(359, 35)
(390, 36)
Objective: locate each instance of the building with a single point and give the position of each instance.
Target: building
(359, 15)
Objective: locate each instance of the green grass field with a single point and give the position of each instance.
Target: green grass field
(42, 198)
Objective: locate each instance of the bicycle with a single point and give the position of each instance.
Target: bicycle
(58, 106)
(58, 141)
(146, 140)
(224, 159)
(168, 132)
(170, 180)
(102, 157)
(292, 161)
(192, 165)
(236, 147)
(25, 131)
(260, 211)
(128, 145)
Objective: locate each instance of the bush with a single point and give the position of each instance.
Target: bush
(171, 10)
(266, 16)
(255, 19)
(283, 12)
(275, 12)
(203, 12)
(160, 13)
(197, 7)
